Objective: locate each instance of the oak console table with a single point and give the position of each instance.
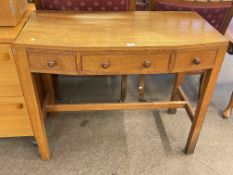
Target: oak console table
(117, 43)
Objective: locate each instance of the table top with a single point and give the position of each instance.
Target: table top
(117, 30)
(9, 34)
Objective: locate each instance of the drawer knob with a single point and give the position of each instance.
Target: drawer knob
(105, 65)
(197, 61)
(51, 64)
(20, 106)
(147, 64)
(5, 57)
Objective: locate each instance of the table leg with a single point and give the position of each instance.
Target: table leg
(202, 107)
(201, 83)
(28, 84)
(123, 87)
(49, 88)
(175, 96)
(56, 87)
(228, 110)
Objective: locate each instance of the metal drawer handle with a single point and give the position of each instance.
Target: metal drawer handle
(147, 64)
(106, 64)
(197, 61)
(5, 57)
(51, 64)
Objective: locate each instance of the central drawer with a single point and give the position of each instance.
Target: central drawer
(125, 64)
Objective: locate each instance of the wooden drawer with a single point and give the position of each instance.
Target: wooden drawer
(194, 60)
(125, 64)
(9, 81)
(57, 62)
(14, 119)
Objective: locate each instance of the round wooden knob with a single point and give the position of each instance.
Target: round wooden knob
(147, 64)
(105, 65)
(20, 106)
(51, 64)
(197, 61)
(4, 57)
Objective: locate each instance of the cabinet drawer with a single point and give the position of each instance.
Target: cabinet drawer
(194, 60)
(52, 62)
(14, 119)
(9, 81)
(125, 64)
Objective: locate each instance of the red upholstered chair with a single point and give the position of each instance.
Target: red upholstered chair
(142, 5)
(217, 12)
(89, 5)
(97, 5)
(84, 5)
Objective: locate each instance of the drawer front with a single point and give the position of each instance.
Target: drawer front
(14, 119)
(194, 60)
(9, 81)
(125, 64)
(52, 62)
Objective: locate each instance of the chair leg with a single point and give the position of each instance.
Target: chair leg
(230, 49)
(123, 87)
(142, 88)
(228, 110)
(178, 82)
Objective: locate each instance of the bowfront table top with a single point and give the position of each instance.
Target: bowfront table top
(117, 30)
(117, 43)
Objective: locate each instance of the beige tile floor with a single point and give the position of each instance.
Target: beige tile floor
(128, 142)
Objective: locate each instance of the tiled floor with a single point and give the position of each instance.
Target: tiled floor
(128, 142)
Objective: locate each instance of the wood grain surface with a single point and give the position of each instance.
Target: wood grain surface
(117, 30)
